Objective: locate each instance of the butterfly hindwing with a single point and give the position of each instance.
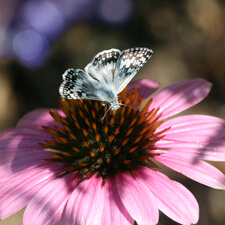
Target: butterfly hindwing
(78, 84)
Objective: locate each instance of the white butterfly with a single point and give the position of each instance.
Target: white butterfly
(105, 76)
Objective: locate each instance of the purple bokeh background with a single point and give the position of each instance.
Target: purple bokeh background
(29, 33)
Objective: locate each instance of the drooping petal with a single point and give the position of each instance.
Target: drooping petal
(19, 149)
(47, 206)
(146, 87)
(180, 96)
(38, 118)
(196, 151)
(137, 199)
(199, 135)
(197, 170)
(173, 199)
(20, 188)
(114, 212)
(194, 128)
(85, 205)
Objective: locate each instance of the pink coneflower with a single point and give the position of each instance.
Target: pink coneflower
(79, 165)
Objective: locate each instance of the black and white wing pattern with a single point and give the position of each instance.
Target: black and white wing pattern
(129, 63)
(103, 65)
(105, 76)
(77, 84)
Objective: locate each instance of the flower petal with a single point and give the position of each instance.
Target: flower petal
(198, 170)
(85, 205)
(199, 135)
(195, 151)
(20, 188)
(194, 128)
(137, 199)
(146, 87)
(23, 150)
(173, 199)
(180, 96)
(47, 206)
(114, 212)
(38, 118)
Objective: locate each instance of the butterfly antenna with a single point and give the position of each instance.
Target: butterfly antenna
(129, 106)
(106, 113)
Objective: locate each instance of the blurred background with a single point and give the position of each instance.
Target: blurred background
(40, 39)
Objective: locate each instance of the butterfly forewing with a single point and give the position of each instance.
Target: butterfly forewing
(103, 65)
(129, 63)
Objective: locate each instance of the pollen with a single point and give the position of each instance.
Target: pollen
(125, 141)
(130, 131)
(85, 144)
(106, 129)
(117, 131)
(111, 137)
(101, 148)
(94, 126)
(97, 137)
(84, 132)
(133, 149)
(92, 139)
(76, 149)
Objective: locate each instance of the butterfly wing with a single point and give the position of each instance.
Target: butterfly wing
(102, 68)
(103, 65)
(77, 84)
(105, 76)
(128, 64)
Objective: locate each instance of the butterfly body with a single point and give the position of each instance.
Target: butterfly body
(105, 76)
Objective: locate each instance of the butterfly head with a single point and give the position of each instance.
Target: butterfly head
(114, 105)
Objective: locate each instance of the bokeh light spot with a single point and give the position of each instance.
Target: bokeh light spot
(116, 11)
(45, 17)
(28, 45)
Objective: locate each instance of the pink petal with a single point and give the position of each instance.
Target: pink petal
(199, 135)
(196, 151)
(19, 149)
(137, 199)
(20, 188)
(173, 199)
(47, 206)
(146, 87)
(38, 118)
(114, 212)
(180, 96)
(197, 170)
(194, 128)
(85, 205)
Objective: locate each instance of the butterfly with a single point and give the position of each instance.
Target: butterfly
(105, 76)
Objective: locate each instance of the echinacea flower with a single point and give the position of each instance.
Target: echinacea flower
(88, 167)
